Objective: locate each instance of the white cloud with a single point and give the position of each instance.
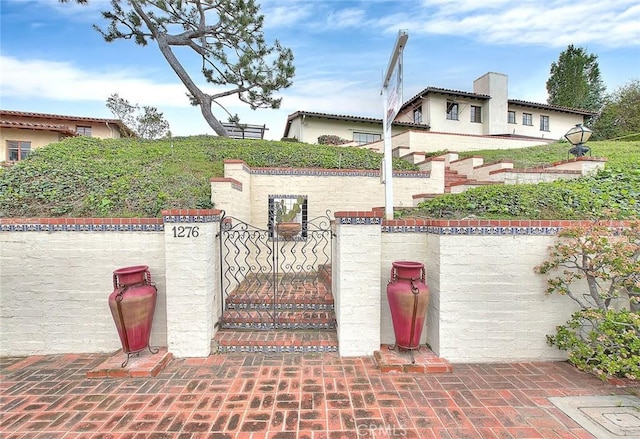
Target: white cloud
(554, 23)
(278, 15)
(346, 18)
(64, 81)
(560, 22)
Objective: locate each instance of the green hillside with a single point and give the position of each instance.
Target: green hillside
(88, 177)
(613, 193)
(618, 154)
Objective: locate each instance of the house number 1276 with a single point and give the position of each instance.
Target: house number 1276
(186, 231)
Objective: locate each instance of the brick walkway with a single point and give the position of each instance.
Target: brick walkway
(288, 396)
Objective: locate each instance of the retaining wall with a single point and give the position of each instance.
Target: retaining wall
(487, 303)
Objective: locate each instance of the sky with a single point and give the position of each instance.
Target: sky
(52, 60)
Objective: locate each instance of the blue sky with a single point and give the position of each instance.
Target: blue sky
(53, 61)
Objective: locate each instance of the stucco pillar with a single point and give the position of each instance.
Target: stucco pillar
(192, 267)
(356, 282)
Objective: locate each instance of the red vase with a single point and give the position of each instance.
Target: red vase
(132, 304)
(408, 299)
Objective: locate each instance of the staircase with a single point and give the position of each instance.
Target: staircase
(452, 178)
(298, 318)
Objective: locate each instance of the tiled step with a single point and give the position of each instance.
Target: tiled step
(276, 341)
(246, 319)
(284, 299)
(290, 313)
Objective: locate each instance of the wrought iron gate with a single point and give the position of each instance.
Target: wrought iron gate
(263, 272)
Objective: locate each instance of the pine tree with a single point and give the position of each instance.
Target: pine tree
(226, 34)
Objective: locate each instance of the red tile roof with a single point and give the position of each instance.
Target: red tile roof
(125, 130)
(37, 126)
(346, 118)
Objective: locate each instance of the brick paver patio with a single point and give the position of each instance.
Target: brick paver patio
(288, 396)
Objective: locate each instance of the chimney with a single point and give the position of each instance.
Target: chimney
(494, 117)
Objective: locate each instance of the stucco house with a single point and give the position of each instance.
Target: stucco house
(458, 119)
(22, 132)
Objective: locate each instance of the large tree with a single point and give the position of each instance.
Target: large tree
(226, 35)
(147, 122)
(575, 80)
(620, 115)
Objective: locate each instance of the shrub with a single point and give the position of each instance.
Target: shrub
(606, 343)
(613, 194)
(331, 139)
(604, 336)
(598, 259)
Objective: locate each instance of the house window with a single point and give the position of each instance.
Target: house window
(527, 119)
(83, 130)
(297, 204)
(362, 138)
(17, 150)
(476, 114)
(452, 110)
(511, 117)
(544, 123)
(417, 115)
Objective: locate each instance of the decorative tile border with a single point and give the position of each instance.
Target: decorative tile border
(191, 218)
(280, 306)
(489, 227)
(355, 221)
(268, 325)
(360, 218)
(273, 349)
(109, 224)
(191, 215)
(81, 227)
(315, 172)
(485, 230)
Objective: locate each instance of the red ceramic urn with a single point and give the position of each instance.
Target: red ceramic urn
(408, 297)
(132, 304)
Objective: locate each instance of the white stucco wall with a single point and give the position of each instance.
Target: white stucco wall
(430, 141)
(559, 122)
(438, 121)
(55, 287)
(326, 189)
(356, 288)
(308, 128)
(193, 282)
(486, 302)
(233, 192)
(491, 305)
